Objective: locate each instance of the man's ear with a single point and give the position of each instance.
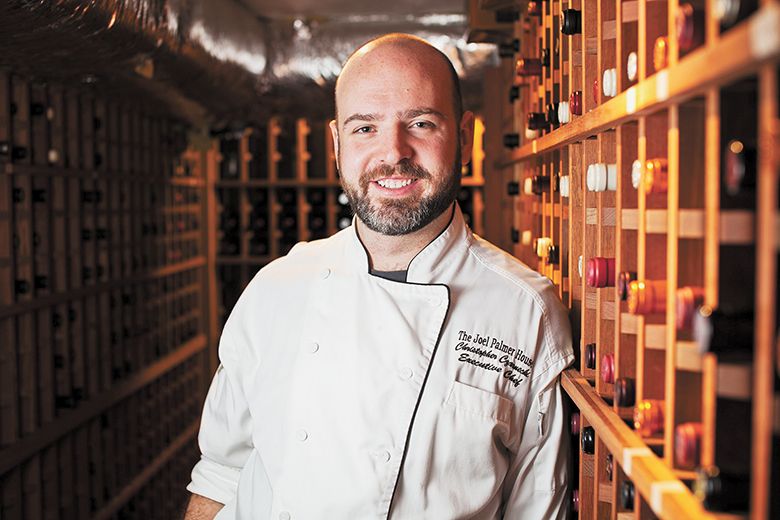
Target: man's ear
(466, 134)
(334, 133)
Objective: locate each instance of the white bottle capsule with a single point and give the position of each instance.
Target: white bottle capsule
(726, 11)
(602, 177)
(563, 185)
(609, 83)
(636, 174)
(564, 115)
(531, 134)
(528, 186)
(543, 246)
(526, 237)
(632, 66)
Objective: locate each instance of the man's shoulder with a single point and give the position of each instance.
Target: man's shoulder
(533, 301)
(507, 274)
(304, 261)
(310, 253)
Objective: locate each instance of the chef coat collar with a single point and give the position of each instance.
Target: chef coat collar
(441, 252)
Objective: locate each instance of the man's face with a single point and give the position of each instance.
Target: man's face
(398, 143)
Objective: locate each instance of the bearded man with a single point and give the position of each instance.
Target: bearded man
(403, 368)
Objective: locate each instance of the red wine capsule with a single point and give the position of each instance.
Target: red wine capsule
(687, 444)
(608, 368)
(649, 417)
(600, 272)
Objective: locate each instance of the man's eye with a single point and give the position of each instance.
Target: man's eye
(422, 124)
(362, 130)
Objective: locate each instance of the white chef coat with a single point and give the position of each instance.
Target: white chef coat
(343, 395)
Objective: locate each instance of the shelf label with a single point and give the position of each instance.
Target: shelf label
(630, 453)
(662, 85)
(659, 488)
(764, 36)
(631, 100)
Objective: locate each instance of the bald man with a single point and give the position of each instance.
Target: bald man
(403, 368)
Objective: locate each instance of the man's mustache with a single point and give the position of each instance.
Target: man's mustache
(402, 169)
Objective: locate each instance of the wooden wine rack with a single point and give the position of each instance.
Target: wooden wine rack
(103, 300)
(693, 234)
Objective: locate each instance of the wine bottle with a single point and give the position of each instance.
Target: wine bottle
(627, 495)
(609, 82)
(687, 444)
(511, 140)
(528, 67)
(602, 177)
(649, 417)
(572, 22)
(689, 23)
(600, 272)
(588, 440)
(608, 368)
(647, 297)
(625, 393)
(719, 491)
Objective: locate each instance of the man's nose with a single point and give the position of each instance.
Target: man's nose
(395, 146)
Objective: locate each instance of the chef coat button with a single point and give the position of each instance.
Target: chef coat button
(284, 515)
(406, 373)
(302, 435)
(314, 347)
(383, 455)
(325, 273)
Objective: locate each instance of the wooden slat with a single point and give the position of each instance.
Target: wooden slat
(766, 293)
(735, 227)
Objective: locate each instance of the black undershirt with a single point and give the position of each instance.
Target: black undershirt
(396, 276)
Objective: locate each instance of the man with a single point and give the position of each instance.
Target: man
(402, 368)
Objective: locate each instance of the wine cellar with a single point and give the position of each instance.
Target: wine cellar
(625, 149)
(639, 153)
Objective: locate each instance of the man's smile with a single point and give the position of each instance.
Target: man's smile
(395, 182)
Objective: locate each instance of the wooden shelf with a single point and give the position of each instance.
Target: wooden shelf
(11, 168)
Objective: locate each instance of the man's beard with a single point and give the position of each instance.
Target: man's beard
(402, 216)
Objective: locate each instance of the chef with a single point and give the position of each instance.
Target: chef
(403, 368)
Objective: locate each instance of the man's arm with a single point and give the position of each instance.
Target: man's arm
(225, 438)
(537, 479)
(201, 508)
